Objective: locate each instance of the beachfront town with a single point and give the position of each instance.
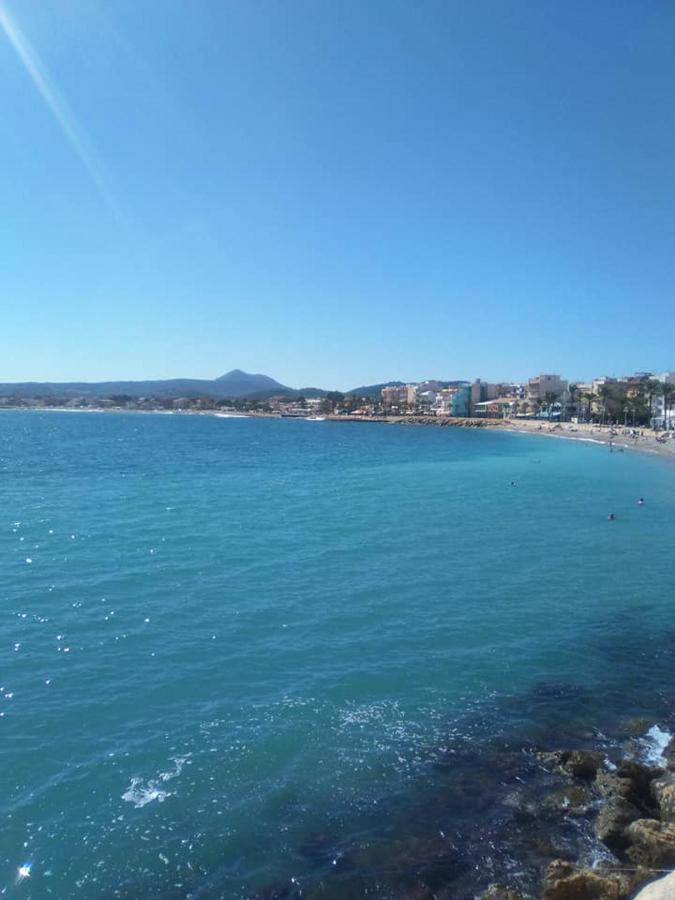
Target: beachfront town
(643, 399)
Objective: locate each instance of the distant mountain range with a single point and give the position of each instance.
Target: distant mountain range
(233, 385)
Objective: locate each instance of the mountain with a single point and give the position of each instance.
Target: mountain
(233, 385)
(242, 384)
(373, 390)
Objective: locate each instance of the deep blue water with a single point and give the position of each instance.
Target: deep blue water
(241, 653)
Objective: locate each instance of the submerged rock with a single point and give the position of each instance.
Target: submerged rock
(573, 800)
(500, 892)
(635, 727)
(578, 763)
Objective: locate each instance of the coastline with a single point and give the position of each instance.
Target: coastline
(645, 441)
(642, 440)
(540, 793)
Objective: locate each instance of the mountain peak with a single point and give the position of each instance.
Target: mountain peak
(234, 373)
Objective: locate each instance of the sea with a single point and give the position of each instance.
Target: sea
(262, 658)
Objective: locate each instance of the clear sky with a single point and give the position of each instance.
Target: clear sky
(336, 192)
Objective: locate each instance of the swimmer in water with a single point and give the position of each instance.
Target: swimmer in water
(611, 517)
(641, 501)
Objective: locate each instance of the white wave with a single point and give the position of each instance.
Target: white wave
(141, 793)
(654, 743)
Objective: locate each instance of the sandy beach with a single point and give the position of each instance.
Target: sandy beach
(645, 440)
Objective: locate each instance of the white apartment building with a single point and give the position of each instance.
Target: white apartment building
(540, 385)
(665, 418)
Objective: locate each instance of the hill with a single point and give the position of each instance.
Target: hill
(233, 385)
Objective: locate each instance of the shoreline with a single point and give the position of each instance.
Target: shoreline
(644, 440)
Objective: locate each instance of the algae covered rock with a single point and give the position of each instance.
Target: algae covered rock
(663, 789)
(610, 785)
(573, 800)
(669, 755)
(652, 843)
(500, 892)
(578, 763)
(564, 882)
(613, 819)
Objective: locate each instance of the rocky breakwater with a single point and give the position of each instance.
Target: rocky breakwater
(452, 421)
(635, 821)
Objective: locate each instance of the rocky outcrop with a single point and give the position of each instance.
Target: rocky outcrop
(564, 882)
(652, 843)
(578, 763)
(612, 821)
(636, 821)
(663, 791)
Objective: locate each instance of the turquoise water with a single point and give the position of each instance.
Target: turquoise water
(233, 649)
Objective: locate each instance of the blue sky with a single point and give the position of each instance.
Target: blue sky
(336, 192)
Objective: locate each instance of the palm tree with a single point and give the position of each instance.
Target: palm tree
(652, 389)
(605, 393)
(667, 392)
(548, 401)
(572, 394)
(588, 397)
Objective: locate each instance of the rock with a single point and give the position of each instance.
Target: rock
(610, 785)
(636, 726)
(669, 755)
(500, 892)
(564, 882)
(652, 843)
(558, 869)
(552, 759)
(573, 800)
(631, 782)
(663, 889)
(421, 892)
(583, 763)
(642, 777)
(612, 821)
(579, 763)
(663, 790)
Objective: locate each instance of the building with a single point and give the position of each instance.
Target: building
(496, 408)
(453, 401)
(479, 392)
(542, 386)
(399, 396)
(663, 405)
